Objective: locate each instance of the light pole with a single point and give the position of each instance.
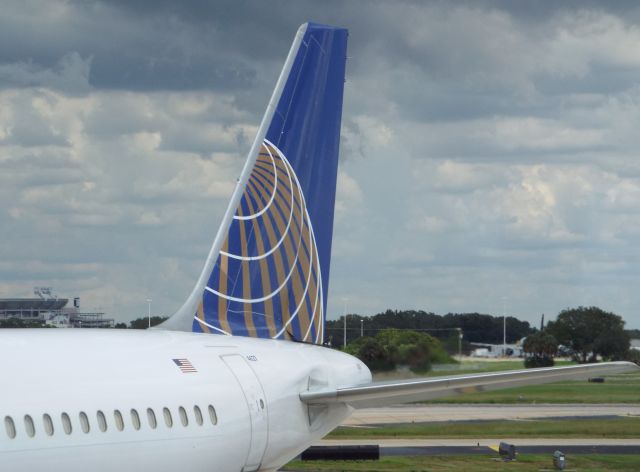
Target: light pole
(344, 333)
(149, 302)
(504, 326)
(361, 327)
(460, 344)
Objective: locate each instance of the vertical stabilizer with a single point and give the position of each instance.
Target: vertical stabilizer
(268, 270)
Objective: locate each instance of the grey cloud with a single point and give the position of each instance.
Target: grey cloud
(151, 52)
(69, 75)
(488, 148)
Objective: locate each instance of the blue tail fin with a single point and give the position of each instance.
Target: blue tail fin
(268, 270)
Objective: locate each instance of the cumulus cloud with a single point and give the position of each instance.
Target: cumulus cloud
(488, 148)
(70, 74)
(86, 191)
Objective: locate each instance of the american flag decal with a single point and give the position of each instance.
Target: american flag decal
(184, 365)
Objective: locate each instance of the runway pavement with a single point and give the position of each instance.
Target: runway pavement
(448, 447)
(587, 442)
(473, 450)
(401, 414)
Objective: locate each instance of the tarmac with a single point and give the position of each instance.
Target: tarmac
(447, 447)
(591, 442)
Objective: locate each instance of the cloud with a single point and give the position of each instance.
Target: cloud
(70, 74)
(488, 148)
(101, 197)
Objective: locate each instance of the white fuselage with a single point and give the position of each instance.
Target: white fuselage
(77, 400)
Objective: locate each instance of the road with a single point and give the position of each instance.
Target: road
(484, 443)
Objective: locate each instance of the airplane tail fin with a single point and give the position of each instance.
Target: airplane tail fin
(267, 272)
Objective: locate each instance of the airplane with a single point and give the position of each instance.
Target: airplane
(237, 379)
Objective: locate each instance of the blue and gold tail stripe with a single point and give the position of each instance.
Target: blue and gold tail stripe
(266, 281)
(271, 273)
(276, 219)
(310, 266)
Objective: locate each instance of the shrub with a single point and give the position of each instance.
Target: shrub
(633, 355)
(538, 361)
(392, 347)
(371, 352)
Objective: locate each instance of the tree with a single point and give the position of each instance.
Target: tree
(143, 323)
(408, 348)
(591, 332)
(392, 347)
(477, 328)
(539, 347)
(18, 323)
(633, 333)
(371, 352)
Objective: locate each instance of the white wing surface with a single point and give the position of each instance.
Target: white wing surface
(385, 393)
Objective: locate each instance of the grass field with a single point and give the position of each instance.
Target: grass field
(526, 462)
(556, 428)
(464, 367)
(467, 366)
(616, 389)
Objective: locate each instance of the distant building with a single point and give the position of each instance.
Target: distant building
(496, 350)
(52, 311)
(30, 309)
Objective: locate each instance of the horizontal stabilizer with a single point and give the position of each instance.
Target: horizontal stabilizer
(405, 391)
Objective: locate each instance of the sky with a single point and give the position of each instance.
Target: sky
(489, 155)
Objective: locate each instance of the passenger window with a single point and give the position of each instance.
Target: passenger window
(29, 427)
(198, 414)
(66, 423)
(10, 426)
(212, 414)
(168, 420)
(151, 416)
(183, 416)
(119, 421)
(135, 419)
(102, 421)
(48, 424)
(84, 422)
